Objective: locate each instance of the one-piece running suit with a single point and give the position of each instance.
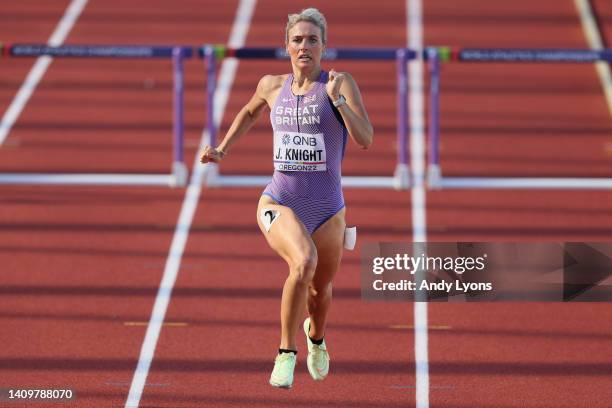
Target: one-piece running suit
(309, 143)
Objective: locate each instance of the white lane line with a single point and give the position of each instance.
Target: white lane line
(147, 351)
(419, 222)
(39, 69)
(593, 35)
(417, 121)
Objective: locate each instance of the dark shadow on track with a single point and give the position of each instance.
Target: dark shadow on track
(337, 327)
(151, 291)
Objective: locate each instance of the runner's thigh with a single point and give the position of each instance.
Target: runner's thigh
(329, 241)
(284, 232)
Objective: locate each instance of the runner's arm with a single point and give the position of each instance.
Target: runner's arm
(353, 112)
(241, 124)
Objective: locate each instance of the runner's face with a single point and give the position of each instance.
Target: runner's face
(305, 45)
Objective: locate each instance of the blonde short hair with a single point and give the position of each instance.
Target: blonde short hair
(311, 15)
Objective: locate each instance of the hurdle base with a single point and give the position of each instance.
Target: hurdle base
(434, 176)
(180, 173)
(401, 177)
(211, 175)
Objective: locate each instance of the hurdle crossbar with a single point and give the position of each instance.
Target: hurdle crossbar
(179, 173)
(401, 176)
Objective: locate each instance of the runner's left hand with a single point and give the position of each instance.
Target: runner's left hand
(333, 84)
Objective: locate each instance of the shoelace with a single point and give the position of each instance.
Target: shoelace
(281, 358)
(319, 354)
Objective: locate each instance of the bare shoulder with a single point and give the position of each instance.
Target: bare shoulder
(273, 80)
(270, 83)
(269, 87)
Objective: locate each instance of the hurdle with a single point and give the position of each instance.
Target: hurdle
(435, 178)
(178, 174)
(401, 176)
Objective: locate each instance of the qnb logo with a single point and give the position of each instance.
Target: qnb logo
(304, 141)
(286, 139)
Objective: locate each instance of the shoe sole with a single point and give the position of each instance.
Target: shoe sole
(284, 387)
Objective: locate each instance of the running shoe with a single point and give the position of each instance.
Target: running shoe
(318, 358)
(282, 375)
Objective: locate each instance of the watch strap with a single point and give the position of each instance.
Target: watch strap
(339, 102)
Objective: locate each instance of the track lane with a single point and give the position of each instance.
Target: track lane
(81, 266)
(508, 119)
(70, 283)
(518, 120)
(243, 278)
(241, 288)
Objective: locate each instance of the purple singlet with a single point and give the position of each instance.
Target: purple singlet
(309, 143)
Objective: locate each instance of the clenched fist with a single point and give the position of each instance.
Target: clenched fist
(211, 154)
(333, 84)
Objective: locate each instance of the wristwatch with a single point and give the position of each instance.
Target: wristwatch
(339, 102)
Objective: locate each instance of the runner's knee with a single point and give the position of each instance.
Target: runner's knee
(303, 267)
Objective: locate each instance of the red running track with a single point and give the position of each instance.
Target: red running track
(81, 266)
(519, 120)
(78, 263)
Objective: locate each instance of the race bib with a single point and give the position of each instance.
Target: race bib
(295, 151)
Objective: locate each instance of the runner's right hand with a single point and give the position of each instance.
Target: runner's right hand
(211, 154)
